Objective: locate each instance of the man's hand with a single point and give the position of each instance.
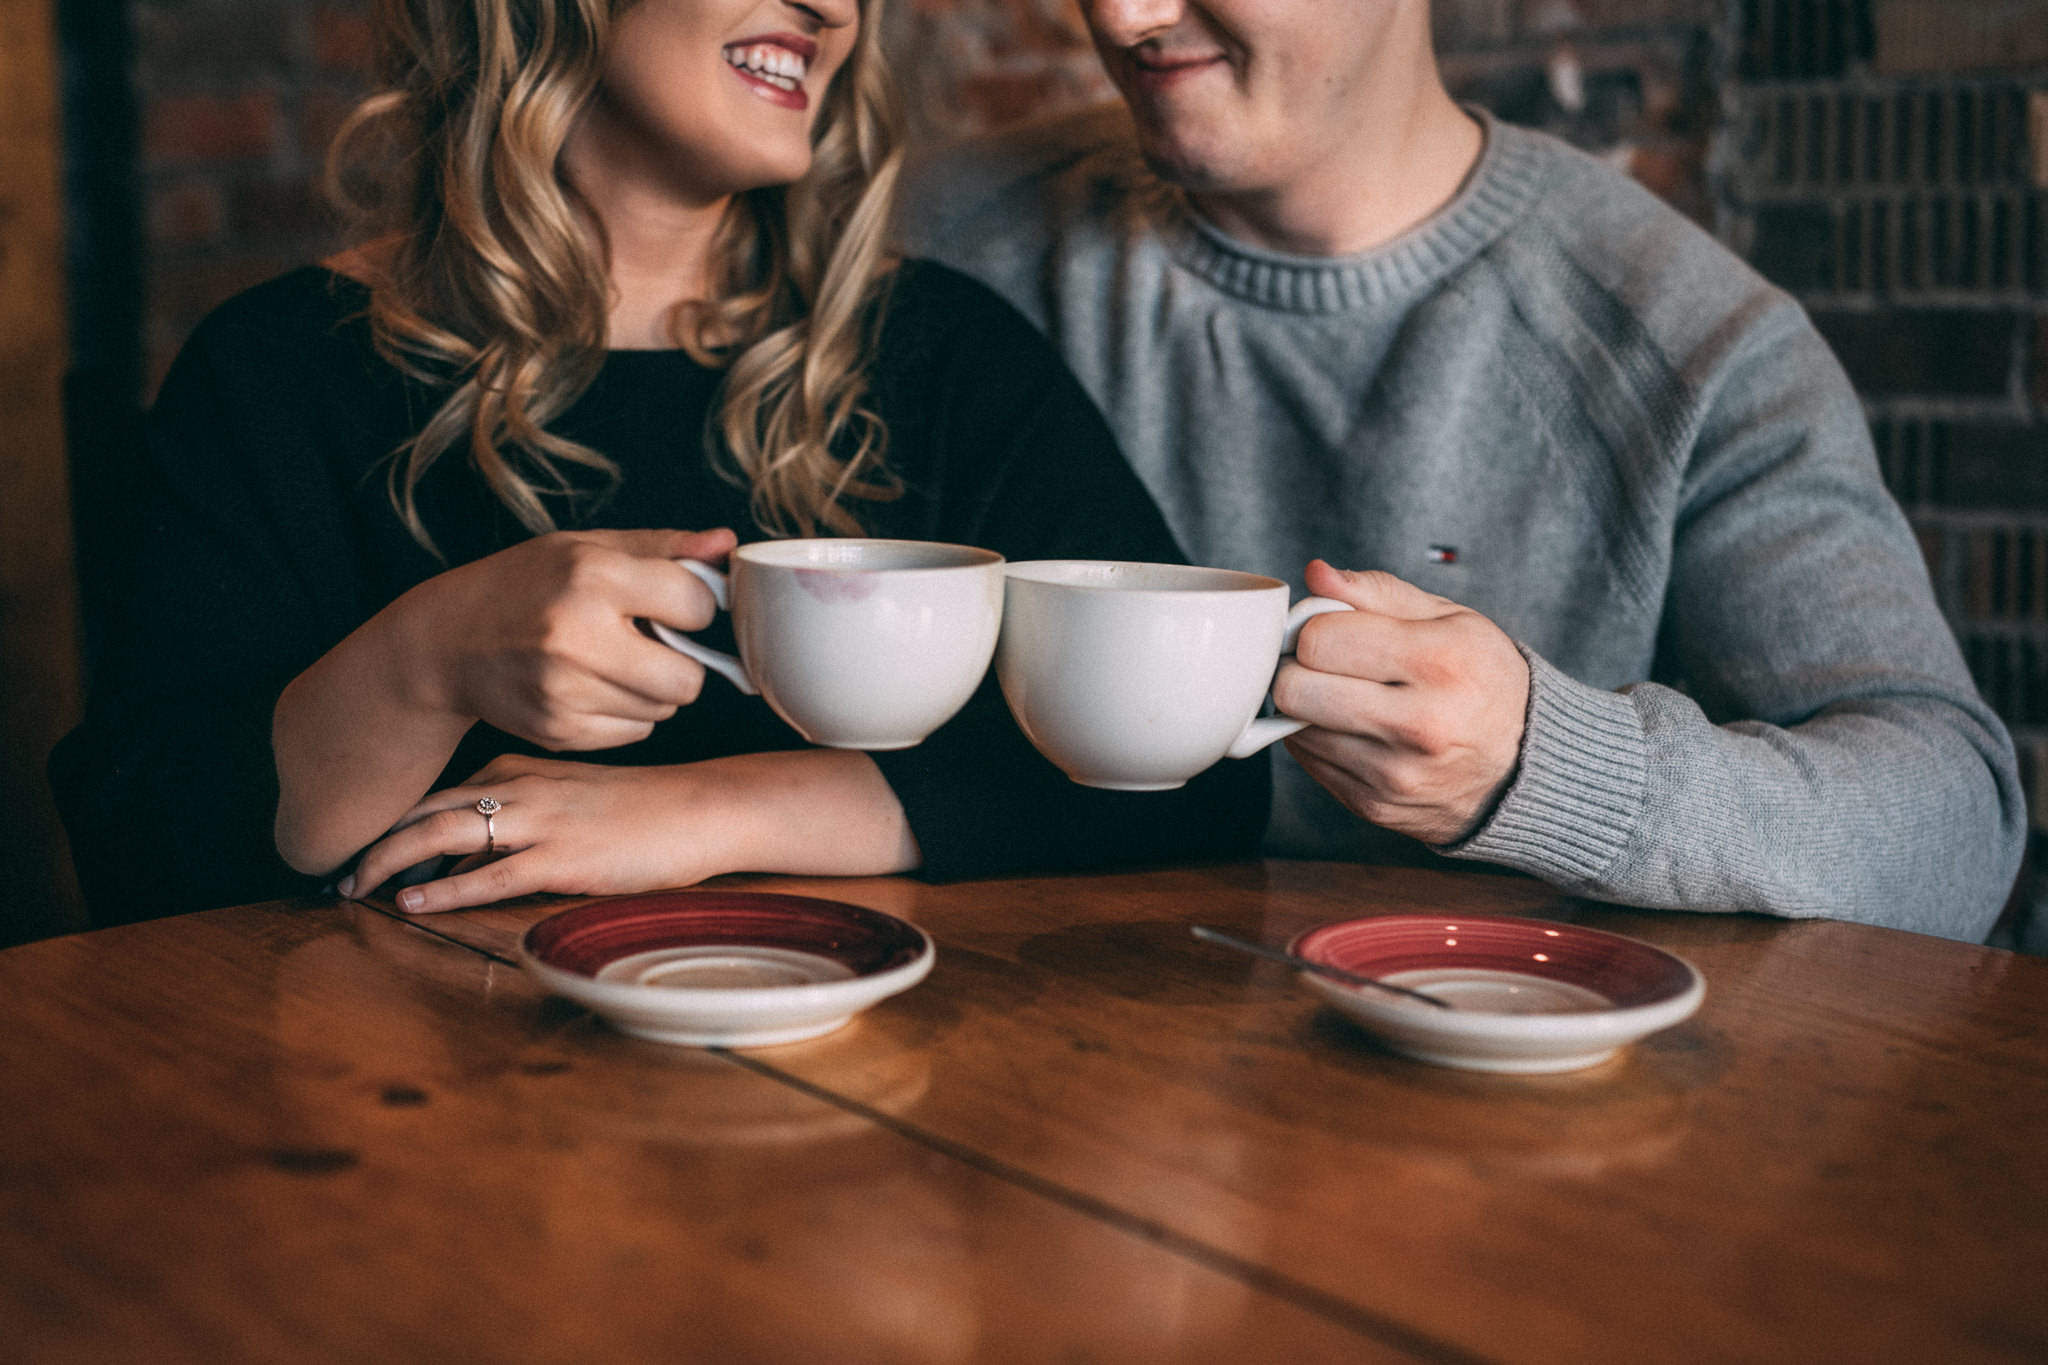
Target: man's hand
(1415, 703)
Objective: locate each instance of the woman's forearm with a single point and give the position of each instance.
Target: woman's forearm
(358, 740)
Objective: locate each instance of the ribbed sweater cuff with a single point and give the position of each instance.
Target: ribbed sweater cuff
(1578, 792)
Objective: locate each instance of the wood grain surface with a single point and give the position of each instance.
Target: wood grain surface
(1844, 1156)
(309, 1133)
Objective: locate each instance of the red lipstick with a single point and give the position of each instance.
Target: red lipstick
(758, 63)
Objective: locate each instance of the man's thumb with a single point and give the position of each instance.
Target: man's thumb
(1375, 591)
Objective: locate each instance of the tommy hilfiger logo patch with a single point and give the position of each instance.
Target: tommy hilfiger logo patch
(1441, 554)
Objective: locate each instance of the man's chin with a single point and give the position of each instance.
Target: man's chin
(1188, 164)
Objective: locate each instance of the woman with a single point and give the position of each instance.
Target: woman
(623, 269)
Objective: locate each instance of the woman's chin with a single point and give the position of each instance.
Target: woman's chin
(737, 167)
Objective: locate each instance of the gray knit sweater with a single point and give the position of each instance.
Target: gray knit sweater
(1561, 404)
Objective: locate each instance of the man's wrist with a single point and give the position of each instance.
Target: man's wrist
(1486, 810)
(1572, 805)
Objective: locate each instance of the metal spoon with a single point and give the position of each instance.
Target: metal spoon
(1223, 940)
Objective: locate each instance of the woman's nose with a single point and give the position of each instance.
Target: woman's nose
(828, 13)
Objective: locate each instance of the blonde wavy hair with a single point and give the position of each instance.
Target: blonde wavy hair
(488, 274)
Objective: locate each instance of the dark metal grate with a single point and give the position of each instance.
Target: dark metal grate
(1967, 472)
(1986, 243)
(2006, 575)
(1854, 134)
(2012, 673)
(1864, 187)
(1802, 39)
(1913, 456)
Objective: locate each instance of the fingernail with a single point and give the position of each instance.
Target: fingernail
(347, 886)
(411, 898)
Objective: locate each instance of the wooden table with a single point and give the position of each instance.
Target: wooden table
(311, 1131)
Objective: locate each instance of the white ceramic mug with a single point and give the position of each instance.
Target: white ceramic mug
(858, 644)
(1135, 677)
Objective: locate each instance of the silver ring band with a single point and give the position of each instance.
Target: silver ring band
(488, 807)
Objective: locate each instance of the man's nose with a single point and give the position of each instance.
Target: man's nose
(1126, 23)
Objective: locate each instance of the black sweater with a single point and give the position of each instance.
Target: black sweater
(268, 535)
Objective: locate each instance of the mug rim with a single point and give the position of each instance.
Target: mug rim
(765, 554)
(1042, 572)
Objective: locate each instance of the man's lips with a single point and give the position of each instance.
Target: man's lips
(1153, 70)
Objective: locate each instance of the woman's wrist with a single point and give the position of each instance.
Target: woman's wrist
(809, 812)
(407, 643)
(356, 739)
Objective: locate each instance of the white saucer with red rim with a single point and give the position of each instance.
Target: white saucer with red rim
(725, 968)
(1528, 995)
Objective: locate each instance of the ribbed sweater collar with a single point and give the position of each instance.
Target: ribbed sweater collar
(1502, 185)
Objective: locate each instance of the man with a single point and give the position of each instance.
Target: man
(1635, 613)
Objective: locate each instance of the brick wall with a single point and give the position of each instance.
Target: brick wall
(1633, 80)
(967, 66)
(238, 101)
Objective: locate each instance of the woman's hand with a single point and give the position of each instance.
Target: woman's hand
(590, 829)
(542, 641)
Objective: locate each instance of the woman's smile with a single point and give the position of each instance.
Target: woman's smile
(773, 66)
(709, 98)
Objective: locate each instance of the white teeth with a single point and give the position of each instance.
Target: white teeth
(778, 66)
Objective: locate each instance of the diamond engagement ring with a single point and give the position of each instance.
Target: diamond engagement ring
(489, 807)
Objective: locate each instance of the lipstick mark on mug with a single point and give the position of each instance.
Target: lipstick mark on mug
(829, 585)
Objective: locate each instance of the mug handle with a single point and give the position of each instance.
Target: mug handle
(1263, 730)
(728, 667)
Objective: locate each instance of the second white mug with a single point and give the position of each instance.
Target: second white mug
(1135, 677)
